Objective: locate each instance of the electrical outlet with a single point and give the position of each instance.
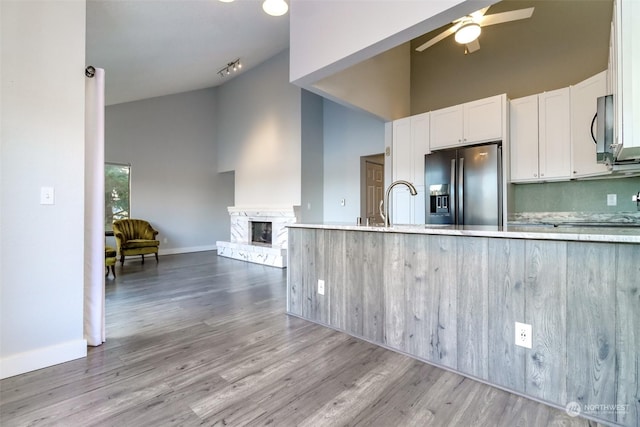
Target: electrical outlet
(321, 287)
(612, 199)
(342, 202)
(523, 335)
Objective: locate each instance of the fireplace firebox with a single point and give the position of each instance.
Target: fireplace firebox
(261, 232)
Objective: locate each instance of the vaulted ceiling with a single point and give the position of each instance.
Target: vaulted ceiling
(152, 48)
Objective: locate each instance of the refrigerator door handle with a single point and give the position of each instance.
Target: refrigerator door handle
(452, 191)
(461, 193)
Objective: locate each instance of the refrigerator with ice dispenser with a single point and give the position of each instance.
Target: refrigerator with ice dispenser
(464, 185)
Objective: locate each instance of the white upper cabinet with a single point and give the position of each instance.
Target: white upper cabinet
(554, 134)
(523, 136)
(483, 120)
(466, 124)
(583, 109)
(446, 129)
(540, 137)
(627, 83)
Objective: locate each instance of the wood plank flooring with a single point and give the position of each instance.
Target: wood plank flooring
(203, 340)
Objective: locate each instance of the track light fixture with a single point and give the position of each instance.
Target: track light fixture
(271, 7)
(231, 66)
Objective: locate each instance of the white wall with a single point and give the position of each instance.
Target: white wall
(348, 135)
(42, 132)
(329, 36)
(259, 135)
(170, 143)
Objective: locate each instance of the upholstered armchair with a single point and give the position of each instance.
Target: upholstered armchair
(135, 237)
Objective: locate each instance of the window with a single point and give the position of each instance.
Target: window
(117, 190)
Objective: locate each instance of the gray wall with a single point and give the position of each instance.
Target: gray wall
(312, 208)
(519, 58)
(170, 143)
(576, 196)
(42, 133)
(348, 135)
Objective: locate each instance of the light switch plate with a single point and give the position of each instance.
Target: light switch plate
(47, 196)
(612, 199)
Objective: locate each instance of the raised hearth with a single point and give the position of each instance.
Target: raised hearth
(243, 245)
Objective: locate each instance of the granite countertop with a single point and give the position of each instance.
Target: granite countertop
(630, 234)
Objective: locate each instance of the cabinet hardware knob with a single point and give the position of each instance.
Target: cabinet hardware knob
(535, 175)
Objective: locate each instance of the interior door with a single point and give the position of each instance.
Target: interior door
(375, 190)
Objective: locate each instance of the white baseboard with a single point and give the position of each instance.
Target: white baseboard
(173, 251)
(42, 358)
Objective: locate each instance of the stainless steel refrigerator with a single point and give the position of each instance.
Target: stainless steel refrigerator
(464, 186)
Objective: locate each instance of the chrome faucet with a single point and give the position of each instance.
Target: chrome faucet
(384, 204)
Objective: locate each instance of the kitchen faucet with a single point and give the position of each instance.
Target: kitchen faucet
(385, 202)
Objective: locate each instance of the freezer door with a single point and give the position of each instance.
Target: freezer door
(440, 198)
(479, 188)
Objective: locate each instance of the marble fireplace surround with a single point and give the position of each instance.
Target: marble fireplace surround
(240, 246)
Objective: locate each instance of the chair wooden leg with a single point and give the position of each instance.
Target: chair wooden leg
(142, 259)
(113, 271)
(122, 260)
(156, 257)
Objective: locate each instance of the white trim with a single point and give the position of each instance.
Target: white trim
(173, 251)
(20, 363)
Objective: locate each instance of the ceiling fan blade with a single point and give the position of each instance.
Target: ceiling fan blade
(478, 14)
(443, 35)
(499, 18)
(472, 46)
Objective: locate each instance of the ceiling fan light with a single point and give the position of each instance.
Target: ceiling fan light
(467, 33)
(275, 7)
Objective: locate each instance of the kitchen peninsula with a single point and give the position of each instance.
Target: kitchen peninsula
(450, 296)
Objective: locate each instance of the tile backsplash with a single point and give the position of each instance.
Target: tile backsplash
(576, 196)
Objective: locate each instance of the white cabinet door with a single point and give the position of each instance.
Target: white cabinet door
(628, 83)
(523, 131)
(446, 127)
(401, 205)
(408, 209)
(554, 138)
(402, 161)
(584, 96)
(419, 146)
(418, 206)
(410, 145)
(483, 120)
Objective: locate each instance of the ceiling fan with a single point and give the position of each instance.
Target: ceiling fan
(468, 28)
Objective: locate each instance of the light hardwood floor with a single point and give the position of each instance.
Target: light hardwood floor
(202, 340)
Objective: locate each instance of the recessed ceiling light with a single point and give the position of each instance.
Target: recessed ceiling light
(226, 1)
(275, 7)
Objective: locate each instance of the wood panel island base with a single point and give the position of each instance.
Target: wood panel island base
(451, 297)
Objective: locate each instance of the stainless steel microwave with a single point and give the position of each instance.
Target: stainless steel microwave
(604, 129)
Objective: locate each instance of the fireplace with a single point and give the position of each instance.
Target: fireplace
(259, 235)
(261, 232)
